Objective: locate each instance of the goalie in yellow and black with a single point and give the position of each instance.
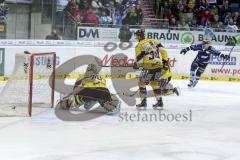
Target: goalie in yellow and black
(152, 59)
(88, 91)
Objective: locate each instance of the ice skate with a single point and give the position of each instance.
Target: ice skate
(192, 84)
(176, 90)
(142, 105)
(158, 105)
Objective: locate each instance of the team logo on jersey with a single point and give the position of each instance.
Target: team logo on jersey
(187, 38)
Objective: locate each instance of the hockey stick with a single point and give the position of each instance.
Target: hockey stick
(131, 94)
(226, 60)
(126, 94)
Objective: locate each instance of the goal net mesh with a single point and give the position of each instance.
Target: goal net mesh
(28, 90)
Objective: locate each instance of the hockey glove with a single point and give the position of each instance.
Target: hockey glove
(184, 51)
(135, 66)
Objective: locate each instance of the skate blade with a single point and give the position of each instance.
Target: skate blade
(178, 91)
(157, 108)
(112, 113)
(142, 108)
(190, 86)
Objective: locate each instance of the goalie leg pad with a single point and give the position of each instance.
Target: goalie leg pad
(71, 101)
(95, 94)
(89, 104)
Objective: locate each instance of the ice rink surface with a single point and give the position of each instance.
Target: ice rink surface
(213, 133)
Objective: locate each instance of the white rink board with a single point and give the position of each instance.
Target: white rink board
(180, 63)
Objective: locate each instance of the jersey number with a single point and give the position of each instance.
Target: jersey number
(153, 55)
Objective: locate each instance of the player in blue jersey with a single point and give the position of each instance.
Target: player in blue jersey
(205, 51)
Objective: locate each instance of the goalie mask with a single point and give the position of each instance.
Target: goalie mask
(91, 69)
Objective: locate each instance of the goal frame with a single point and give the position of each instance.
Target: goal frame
(52, 76)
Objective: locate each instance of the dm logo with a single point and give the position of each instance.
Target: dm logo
(187, 38)
(237, 39)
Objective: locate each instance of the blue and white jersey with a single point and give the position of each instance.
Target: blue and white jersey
(204, 55)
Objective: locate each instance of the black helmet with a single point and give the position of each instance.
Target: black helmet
(140, 33)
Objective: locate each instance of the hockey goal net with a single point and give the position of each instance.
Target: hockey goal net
(30, 88)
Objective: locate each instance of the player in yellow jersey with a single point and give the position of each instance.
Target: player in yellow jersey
(166, 87)
(152, 58)
(89, 90)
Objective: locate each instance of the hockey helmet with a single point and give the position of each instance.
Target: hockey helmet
(92, 68)
(206, 41)
(140, 33)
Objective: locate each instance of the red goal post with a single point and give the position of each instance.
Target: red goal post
(31, 73)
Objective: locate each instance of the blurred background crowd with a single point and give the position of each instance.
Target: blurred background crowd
(223, 15)
(3, 11)
(103, 12)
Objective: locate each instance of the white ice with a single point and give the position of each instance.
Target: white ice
(213, 133)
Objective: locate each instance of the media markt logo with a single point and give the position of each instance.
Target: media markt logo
(237, 39)
(187, 38)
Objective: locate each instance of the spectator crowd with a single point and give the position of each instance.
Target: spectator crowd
(3, 11)
(105, 12)
(194, 14)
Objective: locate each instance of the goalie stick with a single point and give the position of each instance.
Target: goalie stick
(131, 94)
